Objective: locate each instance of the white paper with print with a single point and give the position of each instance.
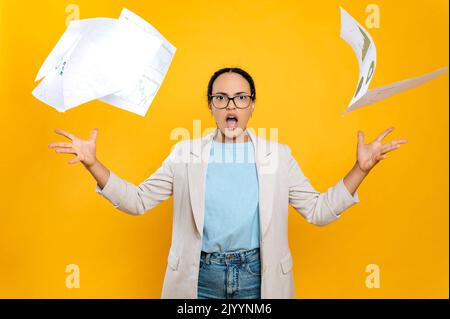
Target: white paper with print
(363, 46)
(107, 59)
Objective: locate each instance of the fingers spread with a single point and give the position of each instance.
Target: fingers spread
(59, 144)
(360, 138)
(389, 148)
(73, 161)
(389, 144)
(383, 135)
(393, 145)
(65, 150)
(94, 134)
(402, 141)
(379, 157)
(66, 134)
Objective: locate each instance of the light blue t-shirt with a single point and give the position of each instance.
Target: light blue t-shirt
(231, 220)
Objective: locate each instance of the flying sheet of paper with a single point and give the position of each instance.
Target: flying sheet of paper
(107, 59)
(384, 92)
(363, 46)
(141, 94)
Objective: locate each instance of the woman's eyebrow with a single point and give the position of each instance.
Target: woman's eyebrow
(227, 94)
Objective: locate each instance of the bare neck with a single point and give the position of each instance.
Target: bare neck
(243, 137)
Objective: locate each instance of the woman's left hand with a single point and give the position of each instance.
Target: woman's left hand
(368, 155)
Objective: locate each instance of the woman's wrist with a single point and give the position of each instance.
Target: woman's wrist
(354, 178)
(357, 168)
(92, 165)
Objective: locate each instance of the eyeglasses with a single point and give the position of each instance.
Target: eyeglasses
(221, 101)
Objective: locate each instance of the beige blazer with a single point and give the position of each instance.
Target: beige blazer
(182, 174)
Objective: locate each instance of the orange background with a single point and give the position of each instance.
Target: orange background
(305, 75)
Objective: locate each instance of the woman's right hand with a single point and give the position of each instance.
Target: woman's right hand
(84, 149)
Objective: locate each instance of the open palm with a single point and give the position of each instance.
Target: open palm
(368, 155)
(84, 149)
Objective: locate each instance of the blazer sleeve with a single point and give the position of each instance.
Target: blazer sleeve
(136, 200)
(318, 208)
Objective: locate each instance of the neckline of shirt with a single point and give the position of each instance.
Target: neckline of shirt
(231, 144)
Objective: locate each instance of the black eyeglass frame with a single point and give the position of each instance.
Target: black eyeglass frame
(231, 99)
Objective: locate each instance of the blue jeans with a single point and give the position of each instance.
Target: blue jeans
(230, 275)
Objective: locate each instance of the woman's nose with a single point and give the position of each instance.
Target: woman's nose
(231, 104)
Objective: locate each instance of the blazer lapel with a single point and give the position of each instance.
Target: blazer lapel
(266, 165)
(198, 165)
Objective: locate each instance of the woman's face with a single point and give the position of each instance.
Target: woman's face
(231, 84)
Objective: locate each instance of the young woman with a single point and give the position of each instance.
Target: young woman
(231, 192)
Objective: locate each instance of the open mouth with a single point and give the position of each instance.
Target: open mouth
(231, 121)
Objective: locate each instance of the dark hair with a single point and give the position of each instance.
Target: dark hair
(234, 70)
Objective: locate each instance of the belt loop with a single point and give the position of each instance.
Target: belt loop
(242, 253)
(208, 255)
